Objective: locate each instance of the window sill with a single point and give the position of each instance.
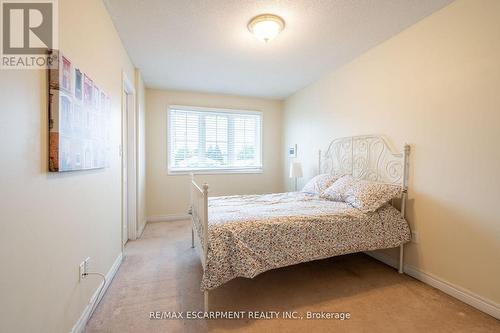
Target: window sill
(215, 172)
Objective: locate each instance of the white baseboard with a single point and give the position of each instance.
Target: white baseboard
(84, 318)
(169, 218)
(464, 295)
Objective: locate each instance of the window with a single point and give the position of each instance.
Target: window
(202, 139)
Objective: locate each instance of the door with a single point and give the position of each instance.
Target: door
(123, 151)
(129, 162)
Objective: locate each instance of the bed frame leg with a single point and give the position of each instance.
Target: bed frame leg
(401, 257)
(192, 237)
(205, 296)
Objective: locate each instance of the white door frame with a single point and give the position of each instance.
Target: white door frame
(129, 161)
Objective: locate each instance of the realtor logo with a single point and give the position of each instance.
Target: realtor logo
(29, 31)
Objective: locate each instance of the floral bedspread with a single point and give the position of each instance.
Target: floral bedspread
(251, 234)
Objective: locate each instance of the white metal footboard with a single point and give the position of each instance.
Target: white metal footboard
(199, 228)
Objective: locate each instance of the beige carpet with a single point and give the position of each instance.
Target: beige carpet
(161, 272)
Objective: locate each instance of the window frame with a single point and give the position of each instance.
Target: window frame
(214, 171)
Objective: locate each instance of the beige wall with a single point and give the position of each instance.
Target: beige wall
(50, 222)
(169, 195)
(436, 86)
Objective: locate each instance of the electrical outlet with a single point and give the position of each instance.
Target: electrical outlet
(87, 264)
(414, 237)
(84, 268)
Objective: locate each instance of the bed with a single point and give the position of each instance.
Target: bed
(245, 235)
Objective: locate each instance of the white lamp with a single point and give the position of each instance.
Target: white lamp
(295, 171)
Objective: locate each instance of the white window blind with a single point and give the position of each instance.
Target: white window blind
(209, 139)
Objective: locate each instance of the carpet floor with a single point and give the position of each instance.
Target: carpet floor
(161, 272)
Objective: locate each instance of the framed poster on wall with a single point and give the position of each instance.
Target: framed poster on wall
(79, 119)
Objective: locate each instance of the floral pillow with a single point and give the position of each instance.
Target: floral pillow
(336, 192)
(362, 194)
(319, 183)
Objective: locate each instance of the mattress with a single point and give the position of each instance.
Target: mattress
(251, 234)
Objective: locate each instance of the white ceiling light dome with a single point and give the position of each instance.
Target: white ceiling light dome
(266, 26)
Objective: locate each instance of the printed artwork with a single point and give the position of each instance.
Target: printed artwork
(79, 120)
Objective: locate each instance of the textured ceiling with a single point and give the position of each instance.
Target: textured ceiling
(204, 45)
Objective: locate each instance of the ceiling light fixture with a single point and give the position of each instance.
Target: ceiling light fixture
(266, 26)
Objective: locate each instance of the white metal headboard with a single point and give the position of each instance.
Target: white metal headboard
(367, 157)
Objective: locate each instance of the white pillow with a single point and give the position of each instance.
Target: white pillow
(319, 183)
